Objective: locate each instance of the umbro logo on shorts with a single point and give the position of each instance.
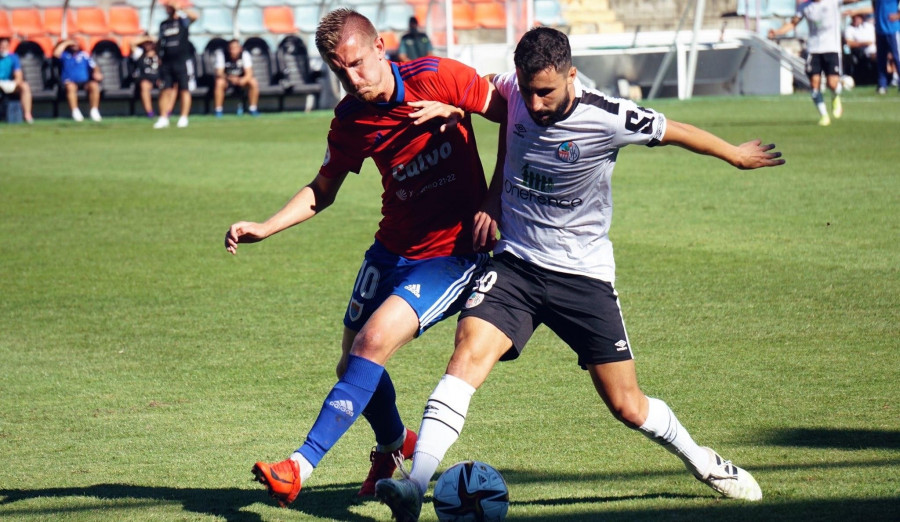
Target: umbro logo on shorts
(621, 346)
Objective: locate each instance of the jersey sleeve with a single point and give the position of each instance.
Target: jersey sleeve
(506, 84)
(636, 125)
(342, 153)
(465, 88)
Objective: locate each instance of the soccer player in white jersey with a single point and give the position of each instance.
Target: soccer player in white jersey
(824, 50)
(554, 261)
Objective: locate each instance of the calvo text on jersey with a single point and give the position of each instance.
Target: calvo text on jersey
(422, 162)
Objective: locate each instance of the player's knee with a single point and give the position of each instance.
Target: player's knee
(628, 412)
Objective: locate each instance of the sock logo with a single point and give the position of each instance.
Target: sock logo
(343, 406)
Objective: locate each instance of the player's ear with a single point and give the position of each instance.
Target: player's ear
(379, 46)
(570, 78)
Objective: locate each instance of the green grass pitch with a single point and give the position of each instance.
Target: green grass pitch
(143, 369)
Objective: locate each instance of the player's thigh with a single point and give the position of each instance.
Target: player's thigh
(585, 313)
(479, 345)
(506, 295)
(392, 325)
(432, 288)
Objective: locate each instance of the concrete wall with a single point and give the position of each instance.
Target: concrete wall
(660, 15)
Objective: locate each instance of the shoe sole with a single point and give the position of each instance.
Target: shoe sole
(391, 498)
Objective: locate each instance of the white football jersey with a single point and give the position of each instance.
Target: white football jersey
(824, 19)
(557, 194)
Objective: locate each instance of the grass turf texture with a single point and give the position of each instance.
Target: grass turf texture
(145, 369)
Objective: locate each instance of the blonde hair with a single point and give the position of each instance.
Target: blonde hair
(333, 25)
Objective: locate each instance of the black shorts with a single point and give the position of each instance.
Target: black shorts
(517, 297)
(829, 63)
(176, 71)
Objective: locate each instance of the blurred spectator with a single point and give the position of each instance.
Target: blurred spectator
(824, 48)
(860, 39)
(176, 65)
(887, 34)
(78, 71)
(11, 79)
(414, 44)
(146, 71)
(234, 69)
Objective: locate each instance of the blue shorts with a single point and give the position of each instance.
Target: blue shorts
(435, 288)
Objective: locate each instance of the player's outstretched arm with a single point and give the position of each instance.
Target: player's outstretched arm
(306, 203)
(749, 155)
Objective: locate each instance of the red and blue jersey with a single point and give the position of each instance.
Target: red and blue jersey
(433, 181)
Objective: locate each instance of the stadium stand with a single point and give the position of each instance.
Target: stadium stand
(548, 13)
(6, 30)
(250, 21)
(395, 16)
(279, 19)
(307, 17)
(215, 20)
(490, 15)
(264, 70)
(53, 17)
(27, 22)
(116, 83)
(92, 21)
(125, 21)
(463, 17)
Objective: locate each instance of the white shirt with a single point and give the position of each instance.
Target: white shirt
(557, 193)
(865, 32)
(824, 19)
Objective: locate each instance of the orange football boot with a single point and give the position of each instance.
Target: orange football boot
(282, 479)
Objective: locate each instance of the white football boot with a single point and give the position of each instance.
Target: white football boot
(729, 480)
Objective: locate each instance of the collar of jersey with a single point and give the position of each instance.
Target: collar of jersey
(401, 90)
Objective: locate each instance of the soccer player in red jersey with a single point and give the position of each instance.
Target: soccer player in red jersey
(422, 259)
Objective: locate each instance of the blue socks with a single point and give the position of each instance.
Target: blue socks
(382, 413)
(342, 406)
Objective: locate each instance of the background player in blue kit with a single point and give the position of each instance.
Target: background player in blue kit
(554, 261)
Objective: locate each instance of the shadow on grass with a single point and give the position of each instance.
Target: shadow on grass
(326, 501)
(834, 438)
(334, 501)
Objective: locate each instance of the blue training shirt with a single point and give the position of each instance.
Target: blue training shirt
(76, 68)
(883, 10)
(8, 65)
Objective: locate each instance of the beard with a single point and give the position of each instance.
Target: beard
(547, 118)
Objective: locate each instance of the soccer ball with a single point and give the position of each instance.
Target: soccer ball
(847, 82)
(471, 491)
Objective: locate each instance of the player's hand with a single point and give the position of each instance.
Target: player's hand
(771, 34)
(243, 232)
(428, 110)
(753, 155)
(484, 231)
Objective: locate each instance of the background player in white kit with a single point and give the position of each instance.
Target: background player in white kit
(554, 261)
(824, 50)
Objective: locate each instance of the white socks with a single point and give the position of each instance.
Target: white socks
(306, 468)
(663, 428)
(442, 422)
